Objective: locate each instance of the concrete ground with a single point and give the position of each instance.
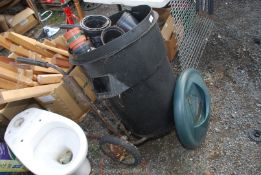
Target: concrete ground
(231, 65)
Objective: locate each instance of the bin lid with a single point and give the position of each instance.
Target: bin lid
(191, 108)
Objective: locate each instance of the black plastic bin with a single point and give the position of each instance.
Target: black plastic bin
(134, 73)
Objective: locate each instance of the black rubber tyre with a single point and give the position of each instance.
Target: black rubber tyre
(108, 142)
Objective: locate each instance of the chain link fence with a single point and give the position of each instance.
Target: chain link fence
(192, 31)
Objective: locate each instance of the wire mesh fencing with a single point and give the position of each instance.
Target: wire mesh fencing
(192, 30)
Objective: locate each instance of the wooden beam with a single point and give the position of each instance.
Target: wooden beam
(27, 53)
(10, 66)
(79, 9)
(41, 70)
(60, 42)
(13, 76)
(60, 51)
(18, 50)
(6, 60)
(7, 84)
(13, 56)
(49, 78)
(27, 43)
(49, 43)
(59, 56)
(61, 62)
(34, 77)
(25, 93)
(4, 43)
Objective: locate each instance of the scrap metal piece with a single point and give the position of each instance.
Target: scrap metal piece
(50, 31)
(255, 135)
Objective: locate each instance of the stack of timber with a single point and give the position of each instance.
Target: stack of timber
(20, 81)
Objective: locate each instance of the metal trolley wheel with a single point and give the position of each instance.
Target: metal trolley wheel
(120, 150)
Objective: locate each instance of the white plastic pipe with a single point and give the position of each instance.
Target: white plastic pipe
(152, 3)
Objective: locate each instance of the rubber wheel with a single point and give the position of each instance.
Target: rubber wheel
(120, 150)
(191, 108)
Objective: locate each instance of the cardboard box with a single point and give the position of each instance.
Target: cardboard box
(9, 110)
(83, 82)
(164, 13)
(3, 24)
(3, 121)
(169, 38)
(62, 102)
(166, 24)
(23, 21)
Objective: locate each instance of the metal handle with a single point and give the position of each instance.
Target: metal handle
(44, 13)
(69, 26)
(39, 63)
(32, 62)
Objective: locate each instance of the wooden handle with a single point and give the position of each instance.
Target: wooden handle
(79, 9)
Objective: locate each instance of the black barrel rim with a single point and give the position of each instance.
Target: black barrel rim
(113, 47)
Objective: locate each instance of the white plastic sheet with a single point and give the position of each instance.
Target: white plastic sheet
(152, 3)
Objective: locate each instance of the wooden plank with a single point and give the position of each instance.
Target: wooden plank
(41, 70)
(61, 62)
(27, 53)
(13, 76)
(60, 51)
(49, 78)
(18, 50)
(6, 60)
(34, 77)
(59, 56)
(25, 93)
(60, 42)
(35, 69)
(4, 43)
(27, 43)
(13, 56)
(49, 43)
(10, 66)
(79, 9)
(7, 84)
(28, 74)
